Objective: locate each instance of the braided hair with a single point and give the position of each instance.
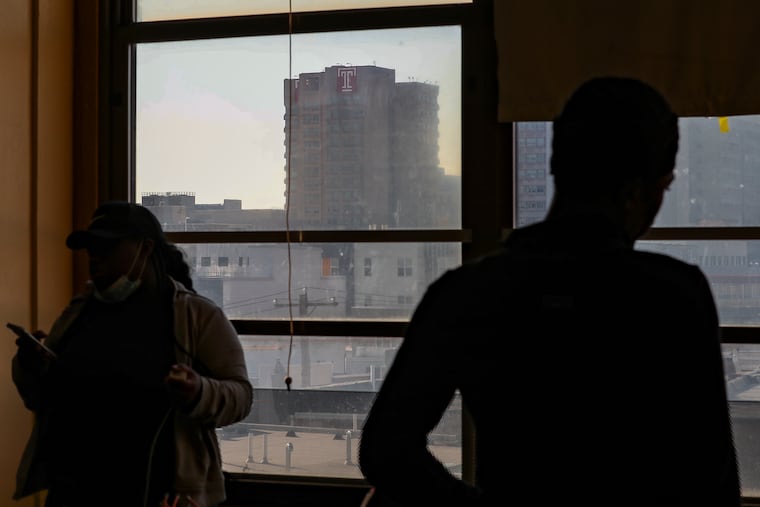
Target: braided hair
(170, 261)
(169, 264)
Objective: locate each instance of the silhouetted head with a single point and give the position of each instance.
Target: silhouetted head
(126, 239)
(117, 220)
(612, 130)
(613, 153)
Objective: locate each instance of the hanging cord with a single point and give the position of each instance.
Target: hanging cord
(288, 378)
(149, 468)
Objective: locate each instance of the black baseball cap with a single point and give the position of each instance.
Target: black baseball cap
(117, 220)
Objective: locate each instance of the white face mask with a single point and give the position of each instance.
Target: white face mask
(122, 287)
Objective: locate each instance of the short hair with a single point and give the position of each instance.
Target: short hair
(612, 130)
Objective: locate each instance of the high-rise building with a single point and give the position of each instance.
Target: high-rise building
(361, 151)
(532, 174)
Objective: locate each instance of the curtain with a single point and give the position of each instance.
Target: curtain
(703, 55)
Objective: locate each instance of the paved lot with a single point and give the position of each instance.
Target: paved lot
(305, 453)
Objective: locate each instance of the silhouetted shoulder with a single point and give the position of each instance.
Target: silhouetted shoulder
(480, 270)
(669, 267)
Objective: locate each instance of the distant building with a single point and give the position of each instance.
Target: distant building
(362, 152)
(532, 177)
(178, 211)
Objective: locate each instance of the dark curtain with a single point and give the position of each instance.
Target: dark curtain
(703, 55)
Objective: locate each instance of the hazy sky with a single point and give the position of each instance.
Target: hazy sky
(153, 10)
(210, 112)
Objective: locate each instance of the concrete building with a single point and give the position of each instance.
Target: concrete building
(361, 151)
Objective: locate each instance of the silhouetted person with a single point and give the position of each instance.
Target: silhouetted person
(592, 371)
(146, 369)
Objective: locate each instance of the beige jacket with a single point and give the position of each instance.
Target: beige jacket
(226, 397)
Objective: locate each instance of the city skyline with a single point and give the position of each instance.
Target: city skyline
(210, 113)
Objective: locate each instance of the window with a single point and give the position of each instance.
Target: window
(192, 131)
(251, 136)
(330, 266)
(404, 266)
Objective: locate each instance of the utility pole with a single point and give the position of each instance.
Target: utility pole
(303, 310)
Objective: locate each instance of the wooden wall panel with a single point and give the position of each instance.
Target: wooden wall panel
(15, 223)
(35, 194)
(54, 158)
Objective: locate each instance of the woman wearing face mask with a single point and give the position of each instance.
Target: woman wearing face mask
(146, 370)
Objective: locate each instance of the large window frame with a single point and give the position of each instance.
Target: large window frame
(487, 180)
(486, 193)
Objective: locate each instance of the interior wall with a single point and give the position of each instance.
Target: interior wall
(54, 202)
(35, 193)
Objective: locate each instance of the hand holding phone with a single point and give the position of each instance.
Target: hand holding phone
(26, 335)
(184, 385)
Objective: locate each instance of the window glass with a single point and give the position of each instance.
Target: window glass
(733, 269)
(335, 380)
(327, 282)
(373, 142)
(533, 183)
(157, 10)
(717, 173)
(741, 363)
(353, 130)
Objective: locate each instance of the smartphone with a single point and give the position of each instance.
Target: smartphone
(23, 333)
